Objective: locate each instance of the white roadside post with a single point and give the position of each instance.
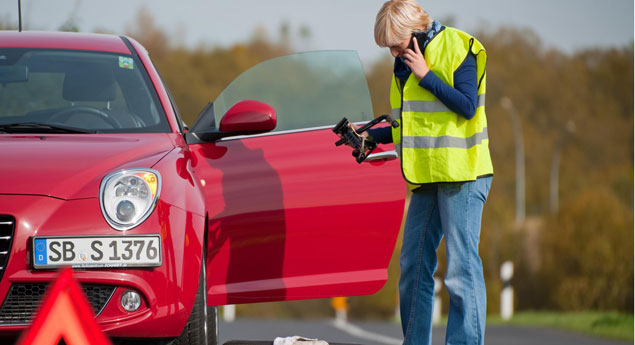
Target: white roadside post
(229, 313)
(340, 305)
(436, 309)
(397, 307)
(507, 293)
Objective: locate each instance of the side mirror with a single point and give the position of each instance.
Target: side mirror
(244, 118)
(248, 117)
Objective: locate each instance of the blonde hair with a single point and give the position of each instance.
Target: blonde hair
(397, 19)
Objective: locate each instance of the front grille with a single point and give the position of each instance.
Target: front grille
(23, 299)
(7, 226)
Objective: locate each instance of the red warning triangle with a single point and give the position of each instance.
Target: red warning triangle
(64, 313)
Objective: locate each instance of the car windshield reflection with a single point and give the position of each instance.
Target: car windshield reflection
(85, 91)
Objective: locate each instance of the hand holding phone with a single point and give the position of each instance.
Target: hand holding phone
(421, 38)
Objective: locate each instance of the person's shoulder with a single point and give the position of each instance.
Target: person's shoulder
(461, 36)
(456, 31)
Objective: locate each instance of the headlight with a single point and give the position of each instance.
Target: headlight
(128, 197)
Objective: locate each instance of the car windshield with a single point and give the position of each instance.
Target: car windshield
(81, 91)
(307, 90)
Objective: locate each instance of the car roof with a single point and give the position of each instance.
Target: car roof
(63, 40)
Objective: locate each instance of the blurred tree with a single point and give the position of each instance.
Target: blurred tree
(285, 34)
(448, 20)
(587, 254)
(144, 30)
(379, 77)
(69, 25)
(72, 23)
(305, 32)
(304, 35)
(6, 23)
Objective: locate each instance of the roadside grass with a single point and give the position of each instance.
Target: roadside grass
(609, 324)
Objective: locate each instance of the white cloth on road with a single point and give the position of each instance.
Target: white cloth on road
(296, 340)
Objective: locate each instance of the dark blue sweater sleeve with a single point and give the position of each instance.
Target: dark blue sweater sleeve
(381, 135)
(462, 98)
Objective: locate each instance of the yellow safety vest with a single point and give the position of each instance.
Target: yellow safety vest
(434, 143)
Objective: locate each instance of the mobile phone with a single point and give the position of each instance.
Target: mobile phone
(421, 38)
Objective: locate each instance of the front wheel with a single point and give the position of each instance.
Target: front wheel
(201, 327)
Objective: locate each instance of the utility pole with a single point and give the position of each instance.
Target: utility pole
(555, 168)
(19, 15)
(506, 103)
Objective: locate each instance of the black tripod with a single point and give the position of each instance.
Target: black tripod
(362, 147)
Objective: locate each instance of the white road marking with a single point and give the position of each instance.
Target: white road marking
(364, 334)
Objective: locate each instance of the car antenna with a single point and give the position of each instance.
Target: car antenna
(19, 15)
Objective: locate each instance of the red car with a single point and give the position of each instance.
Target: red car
(162, 223)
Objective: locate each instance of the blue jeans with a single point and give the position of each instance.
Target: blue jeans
(452, 210)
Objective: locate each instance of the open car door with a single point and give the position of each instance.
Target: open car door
(292, 216)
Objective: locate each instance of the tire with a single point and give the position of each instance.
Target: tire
(212, 325)
(201, 326)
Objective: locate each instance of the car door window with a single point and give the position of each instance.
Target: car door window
(307, 89)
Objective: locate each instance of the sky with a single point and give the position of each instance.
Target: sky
(568, 25)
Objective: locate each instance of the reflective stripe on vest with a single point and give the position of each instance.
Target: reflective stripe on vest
(423, 142)
(412, 106)
(431, 106)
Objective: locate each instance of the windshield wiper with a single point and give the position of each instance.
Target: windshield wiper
(34, 127)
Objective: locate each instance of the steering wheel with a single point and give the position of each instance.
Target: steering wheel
(64, 114)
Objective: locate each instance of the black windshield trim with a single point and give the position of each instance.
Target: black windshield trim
(126, 41)
(27, 127)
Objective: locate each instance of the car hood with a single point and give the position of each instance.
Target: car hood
(72, 166)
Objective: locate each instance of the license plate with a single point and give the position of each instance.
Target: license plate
(97, 251)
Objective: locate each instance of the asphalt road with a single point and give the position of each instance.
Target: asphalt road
(384, 333)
